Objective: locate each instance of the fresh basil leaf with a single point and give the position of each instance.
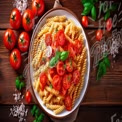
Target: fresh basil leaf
(53, 62)
(107, 15)
(93, 13)
(41, 117)
(99, 74)
(104, 68)
(88, 5)
(107, 62)
(64, 55)
(57, 55)
(17, 83)
(86, 11)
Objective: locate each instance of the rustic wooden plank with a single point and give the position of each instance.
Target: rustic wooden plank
(76, 7)
(87, 114)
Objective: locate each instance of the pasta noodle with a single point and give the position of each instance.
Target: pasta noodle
(53, 92)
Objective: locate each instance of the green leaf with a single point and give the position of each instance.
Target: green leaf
(86, 11)
(106, 62)
(64, 55)
(107, 15)
(41, 117)
(33, 110)
(17, 83)
(37, 113)
(93, 13)
(57, 55)
(21, 85)
(104, 69)
(99, 74)
(84, 1)
(53, 61)
(88, 5)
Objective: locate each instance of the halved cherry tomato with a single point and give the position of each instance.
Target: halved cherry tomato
(60, 68)
(63, 91)
(28, 20)
(72, 50)
(15, 59)
(48, 39)
(9, 39)
(68, 103)
(52, 72)
(67, 81)
(109, 24)
(23, 41)
(84, 21)
(15, 18)
(69, 65)
(76, 77)
(28, 97)
(78, 46)
(56, 82)
(99, 34)
(43, 80)
(38, 7)
(60, 37)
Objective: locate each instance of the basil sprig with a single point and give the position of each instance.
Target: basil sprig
(19, 82)
(102, 67)
(58, 56)
(89, 6)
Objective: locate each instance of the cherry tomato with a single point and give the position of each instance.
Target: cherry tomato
(109, 24)
(28, 20)
(72, 50)
(48, 39)
(68, 103)
(69, 65)
(43, 80)
(76, 77)
(9, 39)
(84, 21)
(78, 46)
(15, 59)
(60, 68)
(99, 34)
(52, 72)
(67, 81)
(38, 7)
(56, 82)
(15, 18)
(60, 37)
(63, 91)
(28, 97)
(23, 41)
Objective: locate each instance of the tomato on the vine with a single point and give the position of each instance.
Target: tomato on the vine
(28, 20)
(28, 96)
(43, 80)
(15, 18)
(67, 81)
(109, 24)
(60, 68)
(23, 41)
(56, 82)
(48, 39)
(15, 59)
(38, 7)
(60, 37)
(9, 39)
(99, 34)
(76, 77)
(84, 21)
(68, 103)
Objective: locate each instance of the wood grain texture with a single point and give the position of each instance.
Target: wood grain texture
(106, 92)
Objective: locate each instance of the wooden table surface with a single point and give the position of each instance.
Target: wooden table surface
(102, 99)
